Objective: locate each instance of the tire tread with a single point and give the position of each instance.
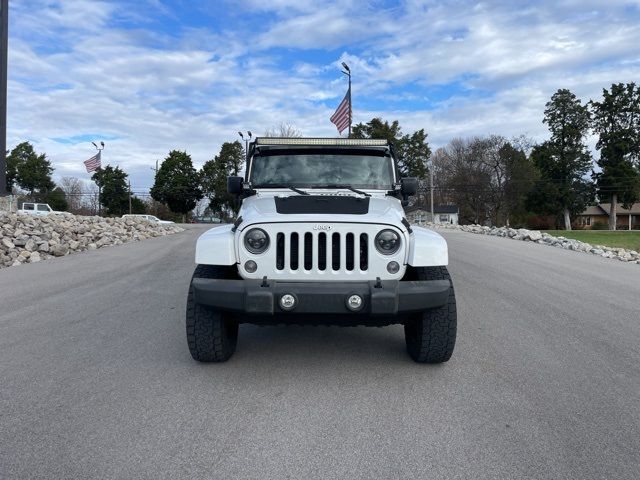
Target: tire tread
(211, 334)
(431, 336)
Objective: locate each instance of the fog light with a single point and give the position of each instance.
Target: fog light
(250, 266)
(393, 267)
(287, 301)
(354, 302)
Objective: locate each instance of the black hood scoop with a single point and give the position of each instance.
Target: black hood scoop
(331, 204)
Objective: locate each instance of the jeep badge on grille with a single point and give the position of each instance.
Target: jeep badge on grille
(318, 226)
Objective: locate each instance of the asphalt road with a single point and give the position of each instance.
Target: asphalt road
(96, 380)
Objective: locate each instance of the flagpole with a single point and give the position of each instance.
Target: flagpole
(348, 74)
(344, 111)
(350, 112)
(99, 187)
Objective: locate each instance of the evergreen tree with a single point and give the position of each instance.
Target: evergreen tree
(413, 150)
(138, 206)
(114, 192)
(28, 170)
(177, 183)
(616, 120)
(520, 176)
(57, 200)
(214, 175)
(563, 160)
(12, 159)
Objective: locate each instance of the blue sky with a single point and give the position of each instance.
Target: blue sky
(147, 76)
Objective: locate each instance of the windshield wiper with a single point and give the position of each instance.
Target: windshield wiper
(281, 185)
(297, 190)
(348, 187)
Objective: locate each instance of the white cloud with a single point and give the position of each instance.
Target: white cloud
(75, 70)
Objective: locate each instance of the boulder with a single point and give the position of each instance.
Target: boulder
(30, 245)
(535, 235)
(8, 244)
(59, 250)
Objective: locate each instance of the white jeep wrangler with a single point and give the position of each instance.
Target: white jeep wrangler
(321, 238)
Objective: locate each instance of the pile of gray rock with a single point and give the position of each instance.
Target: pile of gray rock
(28, 239)
(546, 239)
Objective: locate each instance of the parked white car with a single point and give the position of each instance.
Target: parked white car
(38, 209)
(150, 218)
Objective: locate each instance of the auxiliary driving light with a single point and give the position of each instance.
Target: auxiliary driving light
(354, 302)
(287, 301)
(393, 267)
(251, 266)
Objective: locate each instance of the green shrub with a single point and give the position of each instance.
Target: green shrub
(599, 226)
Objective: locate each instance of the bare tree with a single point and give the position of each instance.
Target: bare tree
(487, 177)
(73, 189)
(461, 177)
(286, 130)
(91, 199)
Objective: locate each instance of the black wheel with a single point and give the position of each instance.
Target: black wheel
(431, 335)
(212, 335)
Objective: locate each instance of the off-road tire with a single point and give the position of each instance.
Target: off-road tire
(431, 335)
(212, 334)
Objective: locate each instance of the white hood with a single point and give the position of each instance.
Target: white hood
(261, 208)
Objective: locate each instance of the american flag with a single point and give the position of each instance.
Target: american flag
(93, 163)
(342, 116)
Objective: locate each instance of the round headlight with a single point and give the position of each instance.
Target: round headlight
(256, 240)
(387, 242)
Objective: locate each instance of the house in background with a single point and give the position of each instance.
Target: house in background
(442, 213)
(627, 218)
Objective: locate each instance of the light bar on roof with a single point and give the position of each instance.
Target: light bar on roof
(322, 141)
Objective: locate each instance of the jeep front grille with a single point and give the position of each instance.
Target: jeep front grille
(314, 249)
(331, 251)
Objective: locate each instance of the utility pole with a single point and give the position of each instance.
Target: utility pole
(4, 43)
(153, 203)
(431, 191)
(129, 197)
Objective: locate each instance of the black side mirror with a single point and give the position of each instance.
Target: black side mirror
(408, 186)
(234, 185)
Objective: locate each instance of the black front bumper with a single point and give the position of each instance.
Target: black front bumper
(262, 297)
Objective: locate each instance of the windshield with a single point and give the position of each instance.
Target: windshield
(322, 169)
